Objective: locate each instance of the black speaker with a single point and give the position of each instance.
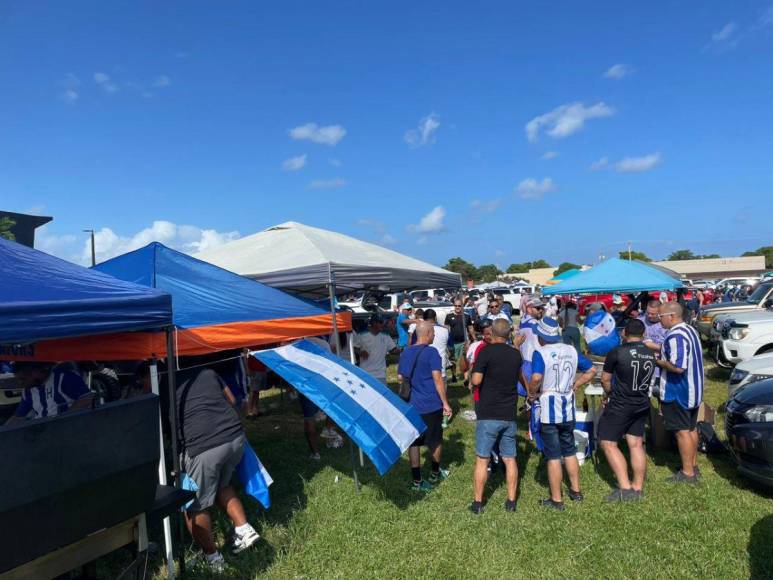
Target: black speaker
(63, 478)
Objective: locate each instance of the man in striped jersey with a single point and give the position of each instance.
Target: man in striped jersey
(681, 387)
(554, 381)
(48, 393)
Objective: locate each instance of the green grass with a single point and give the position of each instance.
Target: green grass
(320, 527)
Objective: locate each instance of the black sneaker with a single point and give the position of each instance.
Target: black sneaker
(510, 505)
(575, 495)
(681, 477)
(555, 505)
(476, 507)
(623, 495)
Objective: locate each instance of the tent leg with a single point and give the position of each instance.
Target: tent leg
(354, 466)
(171, 366)
(162, 476)
(350, 343)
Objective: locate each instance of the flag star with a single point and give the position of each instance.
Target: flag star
(337, 379)
(351, 382)
(346, 373)
(353, 392)
(362, 385)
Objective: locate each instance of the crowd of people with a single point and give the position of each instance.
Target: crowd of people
(653, 353)
(541, 357)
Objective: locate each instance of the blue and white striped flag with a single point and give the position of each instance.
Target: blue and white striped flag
(377, 420)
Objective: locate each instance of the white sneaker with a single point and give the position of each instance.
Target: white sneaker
(315, 457)
(336, 443)
(241, 543)
(215, 562)
(328, 433)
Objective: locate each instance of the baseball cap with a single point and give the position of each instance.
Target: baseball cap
(617, 299)
(406, 306)
(534, 301)
(547, 330)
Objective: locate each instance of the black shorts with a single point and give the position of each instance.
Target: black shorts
(677, 418)
(433, 436)
(615, 423)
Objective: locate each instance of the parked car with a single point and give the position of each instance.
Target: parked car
(757, 368)
(737, 281)
(746, 335)
(10, 396)
(758, 300)
(749, 429)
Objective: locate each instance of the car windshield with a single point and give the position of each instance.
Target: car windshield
(760, 293)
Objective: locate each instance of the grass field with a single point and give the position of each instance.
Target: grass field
(320, 527)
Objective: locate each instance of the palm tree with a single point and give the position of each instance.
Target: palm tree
(6, 224)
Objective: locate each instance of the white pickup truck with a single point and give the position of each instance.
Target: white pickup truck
(745, 335)
(389, 305)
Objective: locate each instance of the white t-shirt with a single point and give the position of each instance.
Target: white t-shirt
(377, 346)
(440, 343)
(482, 306)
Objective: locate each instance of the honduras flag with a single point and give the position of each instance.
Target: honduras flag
(254, 476)
(600, 333)
(376, 419)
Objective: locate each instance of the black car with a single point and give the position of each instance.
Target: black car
(749, 428)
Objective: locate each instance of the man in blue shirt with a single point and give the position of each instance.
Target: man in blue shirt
(403, 322)
(554, 381)
(421, 364)
(681, 387)
(48, 393)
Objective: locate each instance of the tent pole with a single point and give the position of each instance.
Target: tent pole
(171, 367)
(162, 474)
(337, 342)
(350, 343)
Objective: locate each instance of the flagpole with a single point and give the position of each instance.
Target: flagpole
(337, 342)
(162, 473)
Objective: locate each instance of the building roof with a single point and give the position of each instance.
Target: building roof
(724, 266)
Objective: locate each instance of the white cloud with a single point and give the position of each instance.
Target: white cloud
(766, 18)
(424, 134)
(638, 164)
(618, 71)
(566, 119)
(334, 183)
(108, 243)
(432, 223)
(486, 206)
(388, 240)
(103, 81)
(725, 34)
(499, 253)
(531, 188)
(162, 81)
(547, 155)
(328, 135)
(599, 164)
(69, 96)
(294, 163)
(335, 162)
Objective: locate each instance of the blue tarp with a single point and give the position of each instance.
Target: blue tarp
(204, 294)
(43, 297)
(615, 275)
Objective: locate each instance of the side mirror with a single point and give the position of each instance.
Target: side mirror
(768, 303)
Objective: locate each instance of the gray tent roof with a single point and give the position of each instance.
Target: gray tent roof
(304, 259)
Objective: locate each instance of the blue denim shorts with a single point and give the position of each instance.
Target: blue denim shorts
(488, 432)
(558, 440)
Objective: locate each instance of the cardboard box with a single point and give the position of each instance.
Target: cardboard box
(706, 414)
(659, 438)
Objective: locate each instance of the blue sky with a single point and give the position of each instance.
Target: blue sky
(501, 132)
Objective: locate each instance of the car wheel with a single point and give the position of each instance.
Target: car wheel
(764, 349)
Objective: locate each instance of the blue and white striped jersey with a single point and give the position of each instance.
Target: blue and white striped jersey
(60, 390)
(558, 364)
(682, 348)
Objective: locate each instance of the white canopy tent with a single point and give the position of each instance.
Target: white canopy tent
(312, 261)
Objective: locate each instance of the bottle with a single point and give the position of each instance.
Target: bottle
(446, 419)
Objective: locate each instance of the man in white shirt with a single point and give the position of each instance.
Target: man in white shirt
(373, 346)
(440, 342)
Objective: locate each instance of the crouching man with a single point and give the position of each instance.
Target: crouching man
(212, 440)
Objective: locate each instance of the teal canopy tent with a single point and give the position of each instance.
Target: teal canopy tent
(615, 275)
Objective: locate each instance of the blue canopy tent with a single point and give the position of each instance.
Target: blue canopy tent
(44, 297)
(215, 309)
(615, 275)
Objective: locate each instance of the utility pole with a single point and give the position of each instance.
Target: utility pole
(629, 251)
(93, 249)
